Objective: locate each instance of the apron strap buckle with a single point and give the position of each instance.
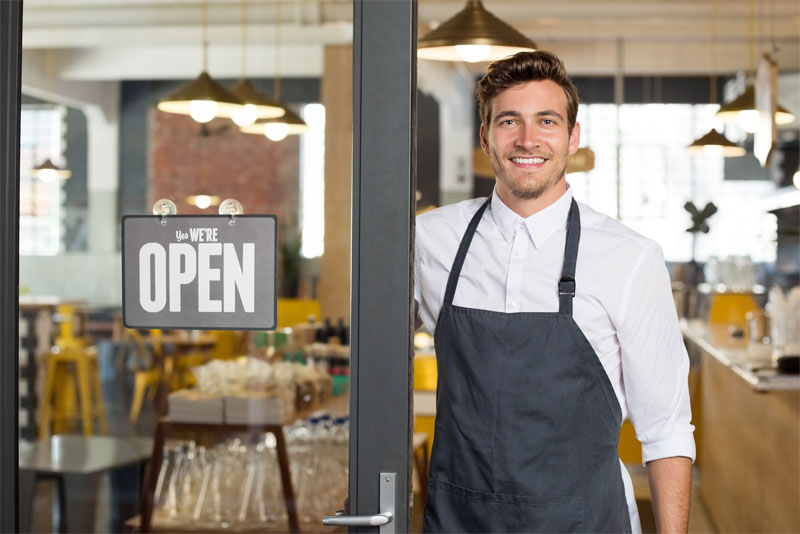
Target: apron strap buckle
(566, 286)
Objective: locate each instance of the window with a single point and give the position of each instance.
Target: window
(41, 138)
(658, 176)
(312, 182)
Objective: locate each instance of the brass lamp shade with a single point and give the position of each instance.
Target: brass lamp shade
(473, 25)
(266, 108)
(746, 101)
(714, 143)
(49, 171)
(296, 125)
(203, 88)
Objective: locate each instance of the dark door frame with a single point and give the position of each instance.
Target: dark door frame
(384, 186)
(10, 88)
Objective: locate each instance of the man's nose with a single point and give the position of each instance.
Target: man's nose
(528, 137)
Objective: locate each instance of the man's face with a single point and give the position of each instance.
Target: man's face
(527, 138)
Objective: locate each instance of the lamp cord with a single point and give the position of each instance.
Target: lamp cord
(205, 35)
(276, 83)
(244, 39)
(752, 28)
(713, 88)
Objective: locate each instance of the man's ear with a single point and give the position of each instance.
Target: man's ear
(575, 139)
(484, 141)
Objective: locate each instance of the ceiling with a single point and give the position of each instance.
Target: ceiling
(85, 40)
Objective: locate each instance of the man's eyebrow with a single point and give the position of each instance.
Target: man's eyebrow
(550, 113)
(504, 114)
(515, 114)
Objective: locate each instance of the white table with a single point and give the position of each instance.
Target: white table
(76, 463)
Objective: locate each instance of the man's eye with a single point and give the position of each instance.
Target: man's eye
(548, 121)
(508, 121)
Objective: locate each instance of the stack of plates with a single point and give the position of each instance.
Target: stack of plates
(191, 406)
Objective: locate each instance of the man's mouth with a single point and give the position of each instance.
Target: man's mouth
(535, 160)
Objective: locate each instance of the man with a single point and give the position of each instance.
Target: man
(552, 324)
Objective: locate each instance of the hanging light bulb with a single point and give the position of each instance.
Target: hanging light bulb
(245, 116)
(202, 110)
(203, 200)
(473, 53)
(276, 131)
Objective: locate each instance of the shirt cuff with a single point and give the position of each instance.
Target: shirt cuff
(677, 445)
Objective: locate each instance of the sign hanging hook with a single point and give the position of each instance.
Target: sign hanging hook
(164, 207)
(232, 207)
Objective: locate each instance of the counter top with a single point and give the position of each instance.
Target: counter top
(734, 354)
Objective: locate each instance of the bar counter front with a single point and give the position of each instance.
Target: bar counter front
(748, 434)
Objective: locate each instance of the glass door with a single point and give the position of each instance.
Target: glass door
(148, 428)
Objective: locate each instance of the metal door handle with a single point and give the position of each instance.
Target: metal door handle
(384, 519)
(341, 520)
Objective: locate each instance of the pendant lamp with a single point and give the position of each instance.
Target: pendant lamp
(714, 143)
(47, 171)
(742, 111)
(202, 99)
(473, 34)
(278, 129)
(50, 172)
(256, 105)
(289, 123)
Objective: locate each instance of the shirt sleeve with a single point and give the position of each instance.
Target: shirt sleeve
(655, 365)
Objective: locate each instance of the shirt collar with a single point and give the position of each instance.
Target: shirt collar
(541, 225)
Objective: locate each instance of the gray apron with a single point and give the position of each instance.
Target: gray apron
(527, 422)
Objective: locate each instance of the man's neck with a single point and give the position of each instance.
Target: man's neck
(525, 207)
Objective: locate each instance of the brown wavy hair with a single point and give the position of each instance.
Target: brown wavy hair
(521, 68)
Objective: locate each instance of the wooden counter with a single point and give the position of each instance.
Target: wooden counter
(750, 469)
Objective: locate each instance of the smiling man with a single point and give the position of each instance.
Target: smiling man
(553, 323)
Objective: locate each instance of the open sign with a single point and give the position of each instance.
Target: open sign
(199, 272)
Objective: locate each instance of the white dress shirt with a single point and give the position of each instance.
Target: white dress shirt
(623, 302)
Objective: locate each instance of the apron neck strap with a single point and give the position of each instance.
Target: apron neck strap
(566, 285)
(461, 255)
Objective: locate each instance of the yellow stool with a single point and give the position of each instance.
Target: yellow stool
(142, 381)
(65, 367)
(145, 380)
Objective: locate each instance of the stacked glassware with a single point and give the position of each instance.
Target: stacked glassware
(238, 485)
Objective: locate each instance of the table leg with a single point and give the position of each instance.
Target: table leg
(126, 487)
(25, 494)
(151, 478)
(286, 480)
(80, 500)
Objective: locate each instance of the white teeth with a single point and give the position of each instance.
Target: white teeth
(528, 161)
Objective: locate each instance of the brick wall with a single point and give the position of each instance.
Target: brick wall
(261, 174)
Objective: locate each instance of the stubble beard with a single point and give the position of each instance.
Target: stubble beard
(520, 191)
